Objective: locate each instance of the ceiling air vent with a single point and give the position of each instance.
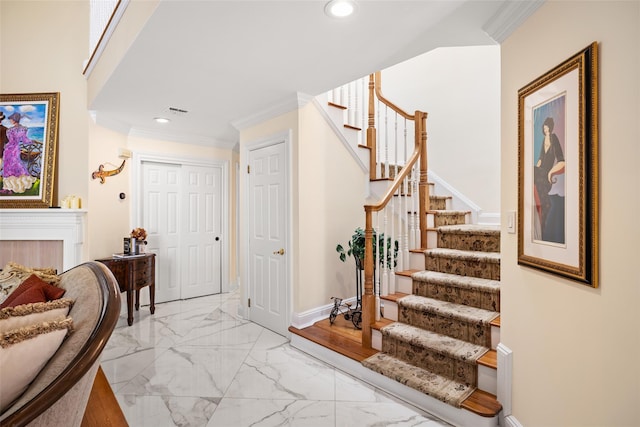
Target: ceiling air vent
(177, 111)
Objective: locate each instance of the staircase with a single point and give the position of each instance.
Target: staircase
(441, 328)
(437, 337)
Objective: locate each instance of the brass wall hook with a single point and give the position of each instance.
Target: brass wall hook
(102, 174)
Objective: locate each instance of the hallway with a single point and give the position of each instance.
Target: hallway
(195, 363)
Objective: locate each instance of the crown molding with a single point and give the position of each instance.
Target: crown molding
(509, 17)
(182, 138)
(288, 104)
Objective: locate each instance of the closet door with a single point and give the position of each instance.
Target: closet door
(161, 195)
(181, 211)
(201, 234)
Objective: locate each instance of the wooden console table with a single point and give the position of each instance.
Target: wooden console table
(133, 273)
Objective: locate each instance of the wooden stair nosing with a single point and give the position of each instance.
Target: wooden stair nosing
(333, 104)
(335, 342)
(381, 323)
(495, 322)
(393, 297)
(352, 127)
(418, 251)
(489, 359)
(482, 403)
(406, 273)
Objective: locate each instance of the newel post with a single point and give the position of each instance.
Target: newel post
(368, 298)
(371, 129)
(423, 189)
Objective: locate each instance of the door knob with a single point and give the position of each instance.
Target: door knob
(280, 252)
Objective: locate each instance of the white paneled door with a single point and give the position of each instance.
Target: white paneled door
(181, 211)
(201, 232)
(267, 237)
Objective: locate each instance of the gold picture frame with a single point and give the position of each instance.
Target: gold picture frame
(558, 170)
(28, 145)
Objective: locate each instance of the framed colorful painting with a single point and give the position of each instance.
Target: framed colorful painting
(558, 170)
(28, 146)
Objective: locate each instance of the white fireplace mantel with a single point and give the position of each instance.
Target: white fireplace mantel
(67, 225)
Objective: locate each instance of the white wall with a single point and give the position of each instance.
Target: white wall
(576, 348)
(326, 183)
(459, 87)
(332, 196)
(43, 47)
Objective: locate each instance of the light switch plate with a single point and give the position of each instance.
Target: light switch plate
(511, 222)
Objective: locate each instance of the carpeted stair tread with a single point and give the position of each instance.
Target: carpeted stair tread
(486, 230)
(447, 212)
(489, 257)
(466, 290)
(436, 386)
(455, 280)
(446, 309)
(469, 237)
(449, 347)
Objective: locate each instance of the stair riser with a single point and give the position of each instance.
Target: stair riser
(463, 267)
(390, 310)
(426, 358)
(488, 379)
(469, 242)
(476, 333)
(376, 339)
(457, 295)
(495, 337)
(416, 260)
(404, 283)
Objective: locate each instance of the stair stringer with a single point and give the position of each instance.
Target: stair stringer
(359, 154)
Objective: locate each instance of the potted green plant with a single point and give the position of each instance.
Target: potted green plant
(356, 249)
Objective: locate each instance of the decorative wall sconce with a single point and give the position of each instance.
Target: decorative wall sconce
(102, 174)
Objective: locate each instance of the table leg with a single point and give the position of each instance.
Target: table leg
(130, 308)
(137, 299)
(152, 298)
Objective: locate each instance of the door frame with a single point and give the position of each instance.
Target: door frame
(136, 199)
(284, 137)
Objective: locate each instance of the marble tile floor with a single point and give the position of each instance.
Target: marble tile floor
(196, 363)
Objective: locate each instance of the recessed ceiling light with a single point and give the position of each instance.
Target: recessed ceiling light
(340, 8)
(161, 120)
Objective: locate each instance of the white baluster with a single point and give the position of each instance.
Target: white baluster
(392, 268)
(416, 213)
(395, 146)
(385, 265)
(386, 142)
(376, 283)
(405, 237)
(350, 104)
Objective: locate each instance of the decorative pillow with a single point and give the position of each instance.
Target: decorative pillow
(13, 274)
(32, 290)
(23, 354)
(30, 314)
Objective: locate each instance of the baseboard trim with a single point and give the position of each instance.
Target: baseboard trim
(308, 318)
(511, 421)
(505, 375)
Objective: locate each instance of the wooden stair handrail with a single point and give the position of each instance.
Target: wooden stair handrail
(419, 153)
(377, 85)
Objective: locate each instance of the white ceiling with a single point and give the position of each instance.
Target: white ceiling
(228, 61)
